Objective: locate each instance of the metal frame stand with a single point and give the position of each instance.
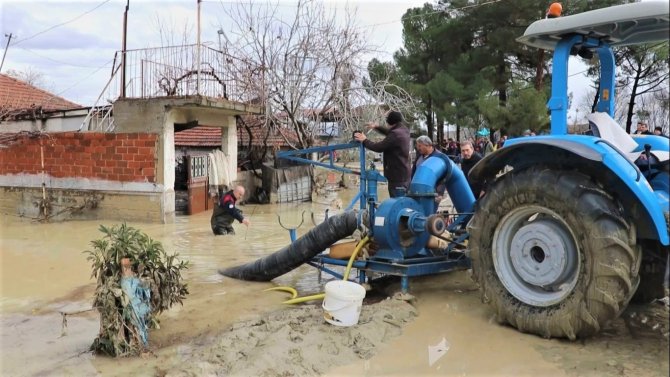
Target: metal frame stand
(367, 197)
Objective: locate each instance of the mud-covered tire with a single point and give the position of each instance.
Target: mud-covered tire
(604, 272)
(652, 273)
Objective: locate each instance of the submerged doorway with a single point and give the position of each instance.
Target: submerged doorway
(191, 184)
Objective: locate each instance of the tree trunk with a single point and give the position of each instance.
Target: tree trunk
(596, 98)
(633, 94)
(430, 124)
(539, 72)
(440, 131)
(502, 88)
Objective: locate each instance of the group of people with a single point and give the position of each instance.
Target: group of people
(643, 129)
(395, 149)
(482, 145)
(398, 169)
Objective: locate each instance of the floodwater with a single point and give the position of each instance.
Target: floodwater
(44, 273)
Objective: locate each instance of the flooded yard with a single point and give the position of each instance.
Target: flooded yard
(44, 273)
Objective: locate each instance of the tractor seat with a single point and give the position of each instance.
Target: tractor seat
(603, 126)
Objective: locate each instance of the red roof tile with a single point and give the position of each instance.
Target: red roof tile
(201, 136)
(208, 136)
(16, 95)
(259, 131)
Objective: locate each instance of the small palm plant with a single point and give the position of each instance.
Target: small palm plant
(136, 281)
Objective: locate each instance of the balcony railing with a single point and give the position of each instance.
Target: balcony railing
(175, 71)
(186, 70)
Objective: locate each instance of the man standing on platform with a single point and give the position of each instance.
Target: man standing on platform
(395, 149)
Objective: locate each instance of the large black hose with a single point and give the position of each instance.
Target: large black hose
(302, 250)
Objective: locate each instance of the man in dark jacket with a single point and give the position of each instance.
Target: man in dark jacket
(395, 149)
(470, 158)
(642, 128)
(225, 212)
(426, 149)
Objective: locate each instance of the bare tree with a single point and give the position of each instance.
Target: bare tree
(299, 67)
(645, 69)
(654, 107)
(30, 76)
(584, 107)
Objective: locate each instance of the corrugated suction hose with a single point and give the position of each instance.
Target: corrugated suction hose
(302, 250)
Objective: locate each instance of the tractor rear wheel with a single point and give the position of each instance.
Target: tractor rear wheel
(552, 253)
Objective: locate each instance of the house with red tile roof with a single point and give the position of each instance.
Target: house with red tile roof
(18, 98)
(118, 158)
(24, 107)
(251, 133)
(254, 140)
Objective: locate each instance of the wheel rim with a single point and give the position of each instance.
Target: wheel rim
(536, 256)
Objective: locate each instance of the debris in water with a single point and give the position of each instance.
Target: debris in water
(437, 351)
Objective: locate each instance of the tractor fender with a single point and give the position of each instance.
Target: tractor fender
(592, 156)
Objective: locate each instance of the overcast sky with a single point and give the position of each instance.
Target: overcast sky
(72, 43)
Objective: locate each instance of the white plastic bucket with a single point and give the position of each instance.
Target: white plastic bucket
(343, 302)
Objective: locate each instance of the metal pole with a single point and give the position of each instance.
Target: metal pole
(9, 38)
(123, 51)
(142, 76)
(197, 83)
(362, 184)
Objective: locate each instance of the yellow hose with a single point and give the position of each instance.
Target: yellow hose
(290, 290)
(357, 250)
(298, 300)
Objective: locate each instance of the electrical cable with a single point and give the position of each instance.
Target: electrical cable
(61, 24)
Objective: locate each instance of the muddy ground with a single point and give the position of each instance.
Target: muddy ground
(229, 327)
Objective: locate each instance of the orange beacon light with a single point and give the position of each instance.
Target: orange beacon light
(554, 10)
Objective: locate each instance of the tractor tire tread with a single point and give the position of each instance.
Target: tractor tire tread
(608, 276)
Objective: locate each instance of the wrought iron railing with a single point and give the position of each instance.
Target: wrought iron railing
(174, 71)
(185, 71)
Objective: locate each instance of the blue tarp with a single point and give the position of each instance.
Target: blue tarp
(139, 304)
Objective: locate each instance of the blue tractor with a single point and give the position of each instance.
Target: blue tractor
(567, 220)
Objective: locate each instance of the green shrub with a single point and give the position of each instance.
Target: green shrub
(155, 269)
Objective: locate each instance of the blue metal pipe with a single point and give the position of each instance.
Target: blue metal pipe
(362, 184)
(422, 187)
(558, 103)
(607, 80)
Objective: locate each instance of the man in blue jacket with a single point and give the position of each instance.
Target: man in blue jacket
(225, 212)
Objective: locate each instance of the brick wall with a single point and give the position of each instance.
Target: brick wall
(123, 157)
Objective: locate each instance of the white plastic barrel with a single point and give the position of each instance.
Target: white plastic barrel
(343, 302)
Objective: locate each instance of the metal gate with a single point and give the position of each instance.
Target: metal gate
(297, 190)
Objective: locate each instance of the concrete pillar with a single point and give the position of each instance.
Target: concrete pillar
(168, 164)
(229, 144)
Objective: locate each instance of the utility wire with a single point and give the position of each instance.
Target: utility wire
(61, 24)
(85, 78)
(445, 10)
(57, 61)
